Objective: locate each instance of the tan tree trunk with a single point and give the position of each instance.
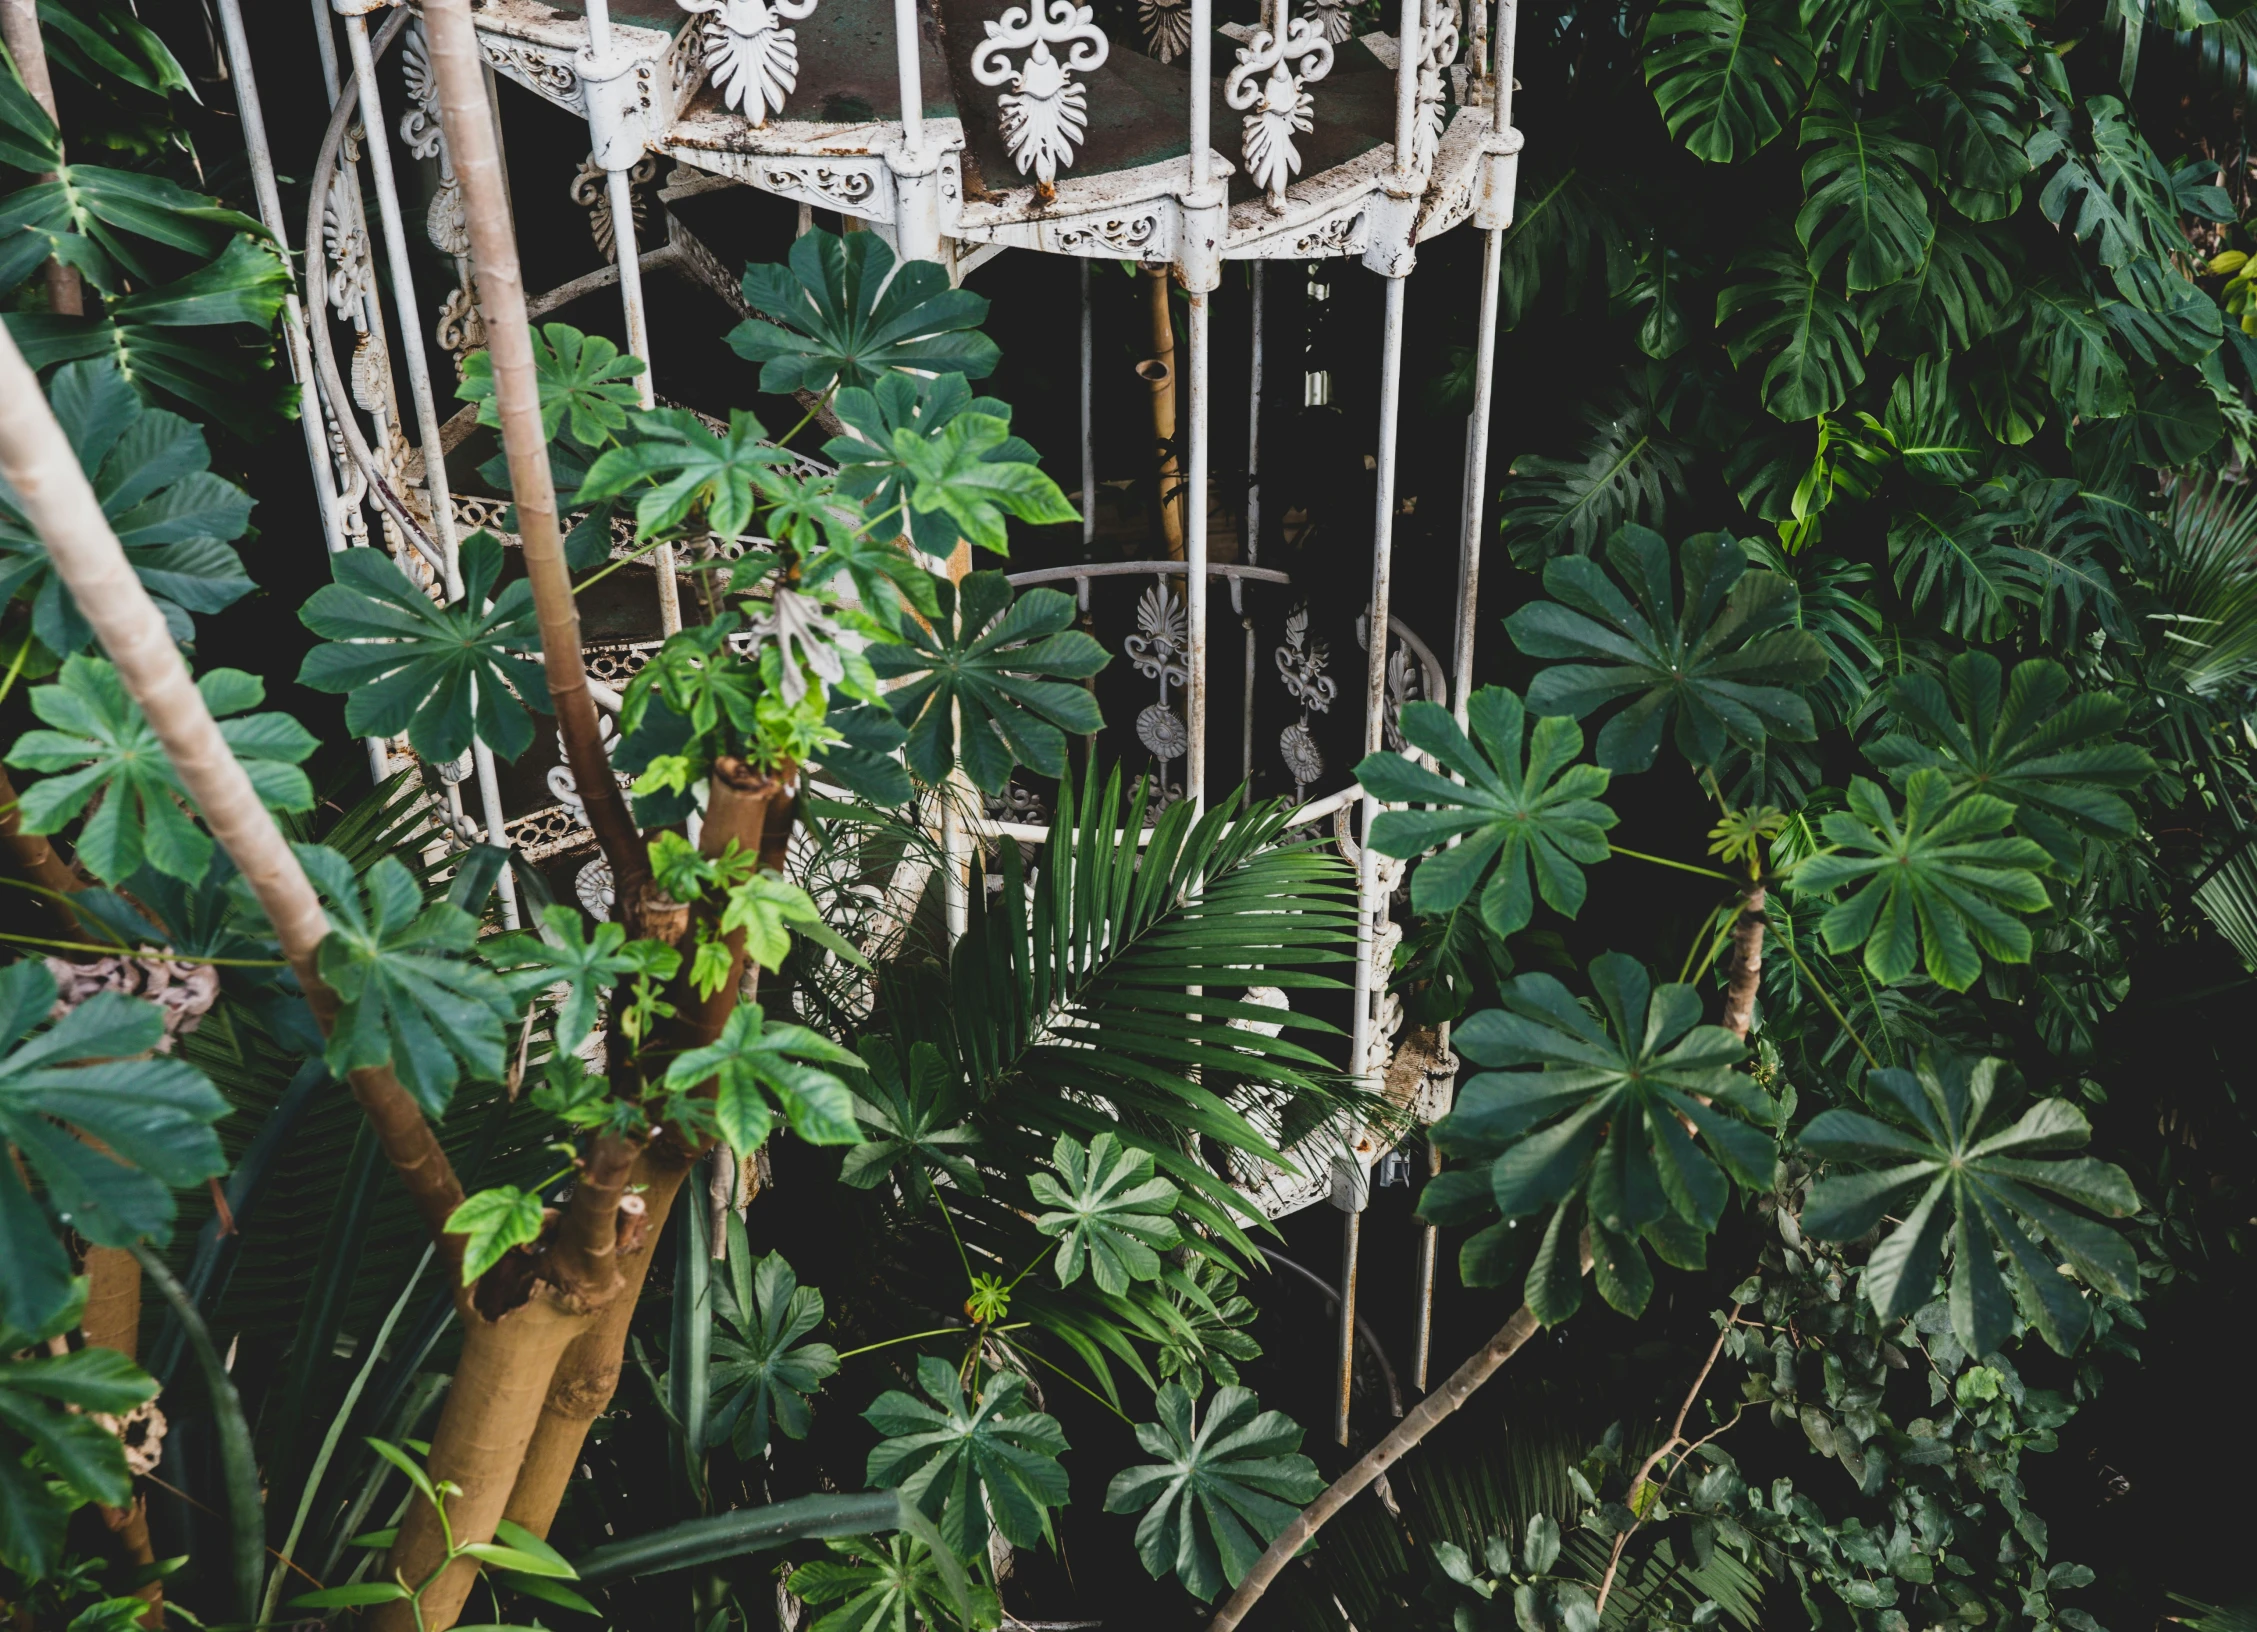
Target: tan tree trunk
(1747, 963)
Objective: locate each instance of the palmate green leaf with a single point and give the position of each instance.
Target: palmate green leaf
(103, 745)
(1625, 473)
(1933, 886)
(1963, 1185)
(1779, 305)
(966, 1463)
(151, 471)
(587, 384)
(871, 468)
(1606, 1121)
(151, 1119)
(759, 1367)
(491, 1223)
(683, 475)
(445, 675)
(1727, 75)
(586, 966)
(991, 666)
(1722, 664)
(1544, 818)
(955, 473)
(1862, 192)
(2025, 739)
(1228, 1480)
(410, 994)
(843, 315)
(47, 1433)
(757, 1068)
(912, 1127)
(1107, 1210)
(894, 1586)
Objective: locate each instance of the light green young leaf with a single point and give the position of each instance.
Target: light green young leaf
(586, 966)
(102, 744)
(491, 1223)
(753, 1063)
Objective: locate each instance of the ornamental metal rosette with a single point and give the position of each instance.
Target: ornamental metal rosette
(752, 58)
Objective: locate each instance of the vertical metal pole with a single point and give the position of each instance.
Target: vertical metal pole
(1476, 475)
(310, 418)
(1254, 430)
(912, 79)
(403, 297)
(1351, 1238)
(1408, 49)
(1088, 419)
(1198, 310)
(619, 199)
(1369, 902)
(1422, 1332)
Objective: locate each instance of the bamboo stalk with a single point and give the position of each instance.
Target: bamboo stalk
(55, 497)
(459, 70)
(1158, 371)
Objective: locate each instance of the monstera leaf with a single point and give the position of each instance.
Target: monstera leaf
(1221, 1491)
(843, 315)
(910, 1126)
(1974, 1193)
(873, 468)
(979, 663)
(1725, 664)
(411, 996)
(144, 1129)
(586, 967)
(443, 674)
(150, 470)
(587, 385)
(961, 1463)
(1599, 1117)
(1935, 885)
(754, 1063)
(685, 469)
(1727, 75)
(759, 1367)
(1544, 817)
(102, 744)
(48, 1406)
(2025, 739)
(1107, 1208)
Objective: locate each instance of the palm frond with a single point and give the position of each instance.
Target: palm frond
(2205, 642)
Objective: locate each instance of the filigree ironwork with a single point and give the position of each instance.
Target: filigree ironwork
(1045, 113)
(1269, 86)
(753, 58)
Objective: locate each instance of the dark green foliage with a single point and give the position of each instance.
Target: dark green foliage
(55, 1455)
(840, 315)
(1966, 1183)
(761, 1369)
(1724, 664)
(1228, 1480)
(967, 1464)
(61, 1089)
(1546, 819)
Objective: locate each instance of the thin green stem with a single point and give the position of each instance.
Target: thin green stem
(608, 569)
(1827, 998)
(158, 955)
(1078, 1383)
(16, 666)
(937, 1331)
(1664, 861)
(962, 1256)
(822, 402)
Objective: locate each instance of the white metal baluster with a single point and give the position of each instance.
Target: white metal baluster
(1195, 466)
(1088, 418)
(1369, 900)
(253, 115)
(1253, 534)
(419, 387)
(1407, 52)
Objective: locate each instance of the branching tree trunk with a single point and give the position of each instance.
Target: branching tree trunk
(19, 21)
(1747, 962)
(1424, 1418)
